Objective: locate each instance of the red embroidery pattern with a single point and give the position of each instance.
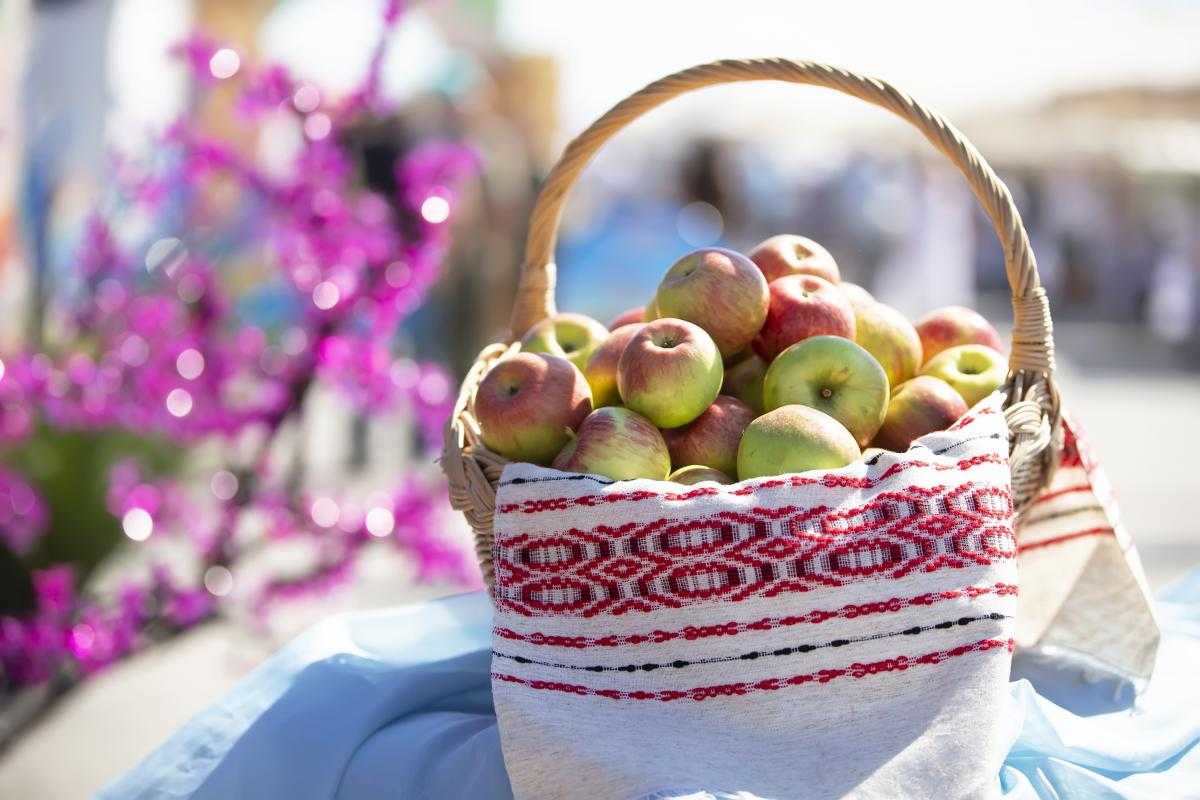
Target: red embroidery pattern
(829, 481)
(742, 688)
(734, 555)
(815, 617)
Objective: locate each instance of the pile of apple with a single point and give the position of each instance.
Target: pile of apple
(739, 367)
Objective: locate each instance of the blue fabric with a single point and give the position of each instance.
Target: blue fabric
(397, 704)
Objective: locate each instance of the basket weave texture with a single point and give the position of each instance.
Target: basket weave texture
(1031, 407)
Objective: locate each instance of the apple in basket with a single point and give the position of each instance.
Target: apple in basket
(952, 326)
(788, 254)
(616, 443)
(570, 336)
(833, 375)
(886, 334)
(711, 439)
(670, 372)
(744, 380)
(918, 406)
(802, 306)
(527, 404)
(794, 439)
(719, 290)
(974, 370)
(694, 473)
(601, 369)
(857, 295)
(628, 317)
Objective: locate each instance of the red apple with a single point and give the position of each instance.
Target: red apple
(526, 405)
(886, 334)
(571, 336)
(857, 295)
(919, 406)
(794, 439)
(601, 369)
(744, 380)
(711, 440)
(803, 306)
(628, 317)
(788, 254)
(693, 474)
(719, 290)
(616, 443)
(952, 326)
(670, 372)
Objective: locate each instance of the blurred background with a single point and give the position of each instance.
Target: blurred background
(248, 247)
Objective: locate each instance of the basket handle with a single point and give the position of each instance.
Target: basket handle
(1032, 344)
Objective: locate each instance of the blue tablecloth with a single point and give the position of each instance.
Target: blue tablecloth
(397, 704)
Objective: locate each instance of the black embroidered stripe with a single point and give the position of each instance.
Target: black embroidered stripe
(755, 654)
(550, 478)
(944, 450)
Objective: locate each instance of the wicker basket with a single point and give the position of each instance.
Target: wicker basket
(1032, 402)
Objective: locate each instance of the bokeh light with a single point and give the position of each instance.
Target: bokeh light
(325, 295)
(435, 209)
(179, 403)
(224, 484)
(218, 580)
(380, 521)
(190, 364)
(137, 524)
(224, 64)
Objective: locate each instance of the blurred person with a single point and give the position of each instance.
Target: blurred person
(1175, 291)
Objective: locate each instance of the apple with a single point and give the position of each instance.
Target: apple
(794, 439)
(788, 254)
(616, 443)
(835, 376)
(886, 334)
(974, 370)
(952, 326)
(719, 290)
(628, 317)
(744, 380)
(711, 439)
(693, 474)
(921, 405)
(570, 336)
(670, 372)
(857, 295)
(527, 404)
(802, 306)
(601, 369)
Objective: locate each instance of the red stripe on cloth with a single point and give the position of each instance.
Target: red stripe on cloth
(1087, 487)
(742, 688)
(792, 482)
(1066, 537)
(734, 628)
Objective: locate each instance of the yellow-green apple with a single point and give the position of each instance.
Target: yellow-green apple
(794, 439)
(886, 334)
(835, 376)
(694, 473)
(616, 443)
(788, 254)
(857, 295)
(670, 372)
(974, 370)
(711, 439)
(952, 326)
(921, 405)
(527, 404)
(744, 380)
(802, 306)
(601, 369)
(719, 290)
(628, 317)
(570, 336)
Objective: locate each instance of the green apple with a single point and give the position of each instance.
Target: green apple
(744, 380)
(571, 336)
(918, 406)
(719, 290)
(670, 372)
(835, 376)
(974, 370)
(601, 369)
(712, 438)
(616, 443)
(693, 474)
(794, 439)
(527, 405)
(886, 334)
